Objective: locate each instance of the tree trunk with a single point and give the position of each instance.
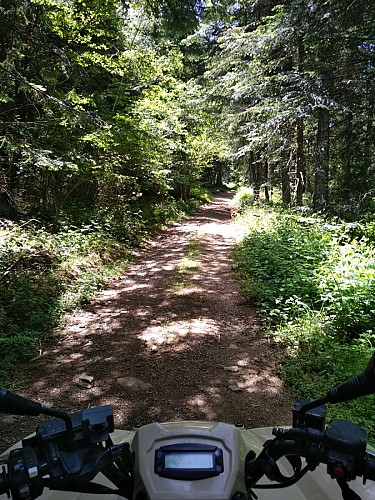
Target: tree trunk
(367, 154)
(320, 199)
(300, 164)
(300, 182)
(348, 154)
(9, 14)
(249, 170)
(218, 168)
(285, 182)
(267, 181)
(255, 176)
(252, 175)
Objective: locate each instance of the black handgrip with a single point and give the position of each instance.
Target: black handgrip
(17, 405)
(370, 371)
(360, 385)
(354, 388)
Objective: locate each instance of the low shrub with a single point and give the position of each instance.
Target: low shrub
(313, 282)
(277, 261)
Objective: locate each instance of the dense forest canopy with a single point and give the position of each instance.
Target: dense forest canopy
(115, 118)
(104, 102)
(298, 78)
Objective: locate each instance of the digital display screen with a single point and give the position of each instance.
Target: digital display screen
(188, 460)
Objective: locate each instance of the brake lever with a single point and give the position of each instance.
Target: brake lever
(264, 465)
(296, 463)
(284, 444)
(272, 470)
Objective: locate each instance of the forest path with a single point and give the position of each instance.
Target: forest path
(177, 321)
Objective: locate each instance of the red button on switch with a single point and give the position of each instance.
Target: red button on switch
(339, 472)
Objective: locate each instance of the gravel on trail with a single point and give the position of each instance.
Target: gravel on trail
(171, 339)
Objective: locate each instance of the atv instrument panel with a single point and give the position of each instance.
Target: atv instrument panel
(189, 461)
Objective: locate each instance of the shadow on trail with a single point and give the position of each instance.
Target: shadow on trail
(175, 331)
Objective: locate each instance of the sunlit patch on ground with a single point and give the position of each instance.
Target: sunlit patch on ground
(264, 381)
(202, 404)
(183, 289)
(177, 331)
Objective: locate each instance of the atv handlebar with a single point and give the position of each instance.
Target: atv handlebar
(49, 459)
(342, 447)
(68, 452)
(67, 458)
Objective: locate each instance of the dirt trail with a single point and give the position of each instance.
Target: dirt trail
(175, 320)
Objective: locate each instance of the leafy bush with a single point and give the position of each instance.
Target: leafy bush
(314, 284)
(288, 263)
(277, 262)
(243, 199)
(358, 230)
(347, 287)
(315, 361)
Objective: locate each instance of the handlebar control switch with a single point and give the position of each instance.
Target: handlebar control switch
(24, 477)
(345, 448)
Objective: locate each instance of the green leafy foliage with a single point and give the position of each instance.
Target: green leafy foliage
(297, 111)
(277, 262)
(102, 141)
(316, 360)
(314, 285)
(95, 109)
(347, 287)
